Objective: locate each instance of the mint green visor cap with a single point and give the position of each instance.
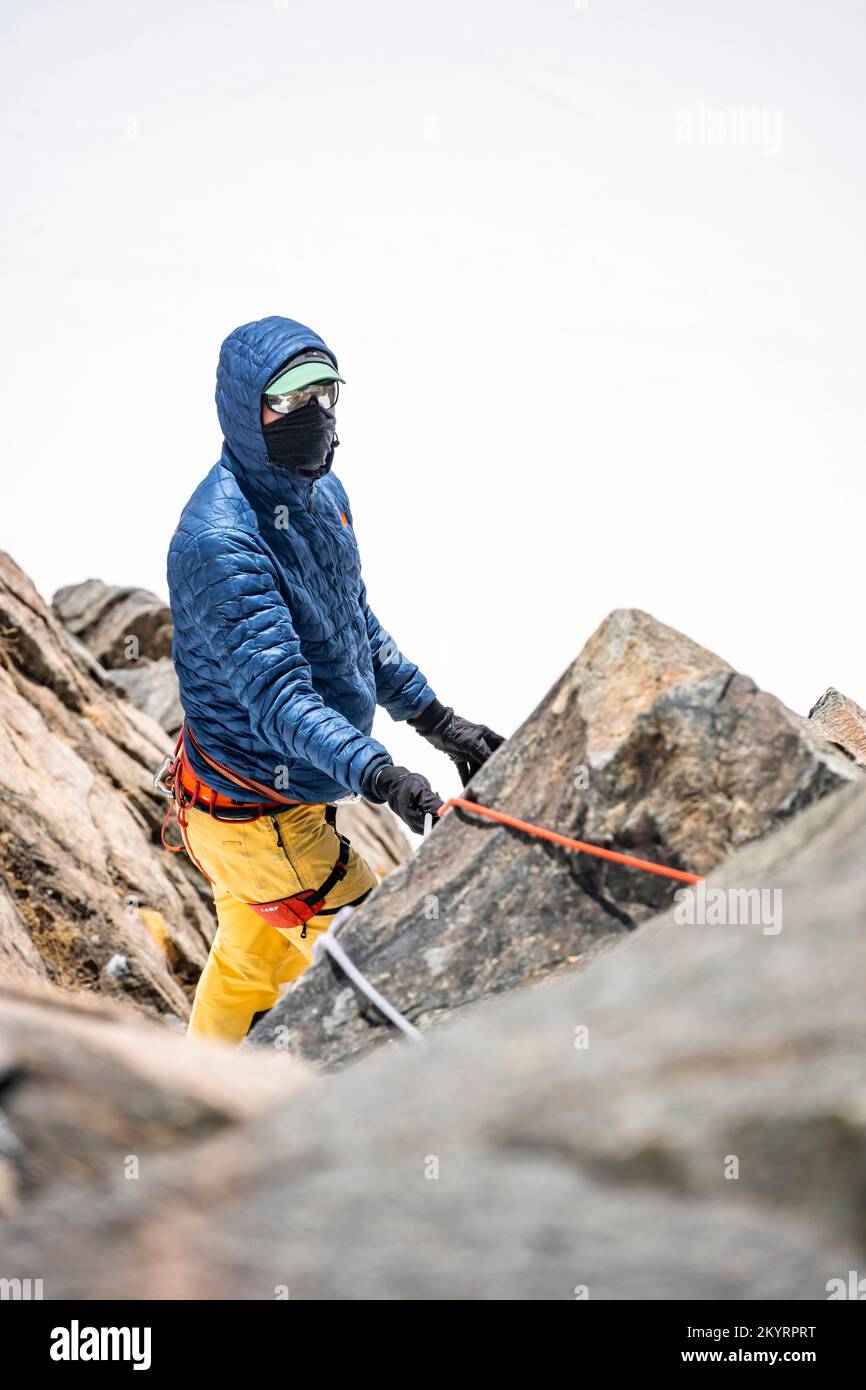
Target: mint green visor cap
(296, 378)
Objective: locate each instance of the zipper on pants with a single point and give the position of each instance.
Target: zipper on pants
(282, 844)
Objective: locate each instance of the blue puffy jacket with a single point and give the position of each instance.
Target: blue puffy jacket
(280, 659)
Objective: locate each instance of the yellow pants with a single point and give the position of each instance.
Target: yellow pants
(260, 862)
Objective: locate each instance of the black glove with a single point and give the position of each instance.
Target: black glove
(467, 745)
(409, 795)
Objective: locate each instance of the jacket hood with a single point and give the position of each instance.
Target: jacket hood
(249, 357)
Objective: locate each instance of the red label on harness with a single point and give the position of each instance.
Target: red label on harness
(288, 912)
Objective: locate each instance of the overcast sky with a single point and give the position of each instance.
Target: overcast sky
(594, 273)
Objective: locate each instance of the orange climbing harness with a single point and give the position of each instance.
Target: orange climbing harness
(177, 780)
(555, 838)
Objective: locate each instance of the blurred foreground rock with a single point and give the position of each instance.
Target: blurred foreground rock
(89, 1089)
(685, 1118)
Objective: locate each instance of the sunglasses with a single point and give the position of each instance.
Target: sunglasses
(325, 392)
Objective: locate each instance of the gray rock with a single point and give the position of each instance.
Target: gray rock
(503, 1161)
(152, 687)
(118, 625)
(89, 1089)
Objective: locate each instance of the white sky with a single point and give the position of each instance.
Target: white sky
(589, 364)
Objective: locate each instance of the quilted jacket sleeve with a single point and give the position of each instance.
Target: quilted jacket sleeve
(400, 687)
(229, 584)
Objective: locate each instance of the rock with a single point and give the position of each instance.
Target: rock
(649, 745)
(842, 723)
(152, 687)
(89, 1089)
(129, 632)
(683, 1119)
(82, 874)
(375, 834)
(118, 625)
(117, 968)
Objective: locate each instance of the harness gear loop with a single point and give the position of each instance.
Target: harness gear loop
(540, 832)
(178, 780)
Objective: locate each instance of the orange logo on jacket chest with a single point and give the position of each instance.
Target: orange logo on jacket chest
(344, 518)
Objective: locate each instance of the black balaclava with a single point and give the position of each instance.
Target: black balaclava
(303, 442)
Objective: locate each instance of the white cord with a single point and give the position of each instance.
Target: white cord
(327, 942)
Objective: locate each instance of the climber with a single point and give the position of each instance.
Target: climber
(281, 663)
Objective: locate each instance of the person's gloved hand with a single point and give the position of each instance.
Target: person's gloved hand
(409, 795)
(467, 745)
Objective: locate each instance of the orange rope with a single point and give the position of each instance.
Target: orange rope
(542, 834)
